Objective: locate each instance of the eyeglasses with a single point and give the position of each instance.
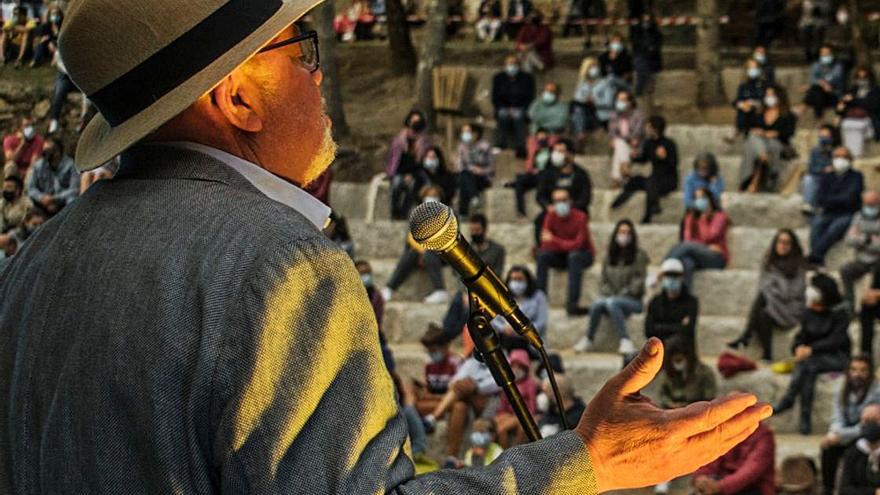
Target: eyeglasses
(309, 56)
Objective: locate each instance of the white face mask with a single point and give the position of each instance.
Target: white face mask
(616, 46)
(549, 97)
(754, 72)
(557, 158)
(771, 100)
(594, 72)
(432, 199)
(621, 105)
(518, 287)
(431, 164)
(467, 137)
(29, 132)
(812, 296)
(623, 240)
(841, 164)
(512, 69)
(842, 17)
(679, 366)
(760, 58)
(542, 403)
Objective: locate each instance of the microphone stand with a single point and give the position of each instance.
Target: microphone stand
(489, 351)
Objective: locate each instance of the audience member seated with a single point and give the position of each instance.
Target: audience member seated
(19, 236)
(704, 230)
(780, 299)
(441, 366)
(815, 16)
(46, 35)
(512, 93)
(573, 407)
(859, 110)
(859, 390)
(63, 87)
(533, 174)
(566, 244)
(534, 43)
(685, 378)
(356, 23)
(827, 82)
(563, 173)
(863, 237)
(839, 37)
(17, 37)
(767, 67)
(647, 44)
(839, 197)
(584, 114)
(617, 60)
(407, 150)
(674, 310)
(705, 175)
(517, 13)
(662, 153)
(14, 205)
(476, 165)
(549, 113)
(510, 433)
(54, 180)
(484, 447)
(861, 474)
(23, 147)
(819, 163)
(436, 172)
(533, 303)
(749, 96)
(869, 312)
(822, 345)
(414, 257)
(769, 142)
(373, 294)
(621, 289)
(627, 129)
(749, 468)
(489, 21)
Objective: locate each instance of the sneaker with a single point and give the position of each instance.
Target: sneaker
(585, 344)
(437, 297)
(387, 293)
(53, 126)
(626, 347)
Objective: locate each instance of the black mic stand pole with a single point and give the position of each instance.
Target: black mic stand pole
(489, 351)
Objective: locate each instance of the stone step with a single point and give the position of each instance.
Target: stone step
(589, 372)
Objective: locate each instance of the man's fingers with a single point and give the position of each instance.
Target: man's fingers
(722, 435)
(639, 373)
(705, 416)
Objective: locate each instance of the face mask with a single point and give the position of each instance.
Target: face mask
(478, 238)
(813, 296)
(827, 59)
(467, 137)
(594, 72)
(870, 432)
(870, 211)
(557, 158)
(518, 287)
(367, 279)
(432, 199)
(841, 164)
(480, 439)
(672, 284)
(55, 19)
(512, 70)
(418, 126)
(771, 100)
(679, 366)
(542, 403)
(616, 46)
(701, 204)
(760, 58)
(621, 106)
(29, 132)
(519, 374)
(825, 141)
(562, 209)
(623, 240)
(432, 164)
(9, 196)
(548, 97)
(842, 18)
(754, 72)
(541, 159)
(436, 356)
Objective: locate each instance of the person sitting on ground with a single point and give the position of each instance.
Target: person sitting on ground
(518, 12)
(584, 116)
(750, 468)
(534, 43)
(414, 256)
(23, 147)
(54, 180)
(859, 390)
(769, 141)
(533, 303)
(780, 299)
(563, 173)
(860, 474)
(704, 230)
(46, 35)
(510, 433)
(616, 59)
(488, 21)
(839, 197)
(827, 82)
(749, 96)
(17, 37)
(373, 294)
(819, 163)
(662, 153)
(647, 45)
(14, 205)
(573, 406)
(674, 310)
(566, 244)
(822, 345)
(621, 289)
(685, 378)
(441, 366)
(627, 129)
(705, 175)
(484, 447)
(407, 150)
(859, 110)
(550, 114)
(476, 165)
(863, 237)
(513, 91)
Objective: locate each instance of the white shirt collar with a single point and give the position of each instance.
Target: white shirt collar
(267, 183)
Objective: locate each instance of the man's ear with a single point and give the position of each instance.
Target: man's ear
(235, 101)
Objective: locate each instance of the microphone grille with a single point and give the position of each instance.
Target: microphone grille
(433, 225)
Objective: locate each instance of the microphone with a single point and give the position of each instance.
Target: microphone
(434, 227)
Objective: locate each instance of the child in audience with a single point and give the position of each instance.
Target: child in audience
(484, 449)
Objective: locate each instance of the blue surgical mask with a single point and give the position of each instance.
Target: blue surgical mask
(367, 279)
(760, 58)
(702, 203)
(549, 97)
(870, 211)
(480, 439)
(616, 46)
(672, 284)
(518, 287)
(754, 72)
(827, 59)
(467, 137)
(562, 209)
(621, 106)
(511, 69)
(431, 164)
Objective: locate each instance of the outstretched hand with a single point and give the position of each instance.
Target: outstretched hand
(633, 443)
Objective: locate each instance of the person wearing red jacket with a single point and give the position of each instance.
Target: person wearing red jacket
(747, 469)
(566, 244)
(704, 243)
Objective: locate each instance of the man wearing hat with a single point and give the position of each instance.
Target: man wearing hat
(186, 328)
(674, 310)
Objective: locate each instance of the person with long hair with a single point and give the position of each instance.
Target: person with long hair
(769, 140)
(584, 117)
(435, 171)
(704, 237)
(621, 289)
(531, 300)
(706, 174)
(780, 299)
(749, 96)
(406, 151)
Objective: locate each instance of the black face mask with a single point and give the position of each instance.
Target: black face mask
(418, 126)
(9, 196)
(478, 239)
(870, 432)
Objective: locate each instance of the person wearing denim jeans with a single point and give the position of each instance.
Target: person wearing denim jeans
(818, 163)
(839, 197)
(705, 238)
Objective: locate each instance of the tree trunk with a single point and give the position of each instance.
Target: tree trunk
(710, 85)
(331, 87)
(403, 55)
(863, 54)
(430, 56)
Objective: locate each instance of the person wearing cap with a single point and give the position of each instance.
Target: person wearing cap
(674, 310)
(839, 197)
(187, 328)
